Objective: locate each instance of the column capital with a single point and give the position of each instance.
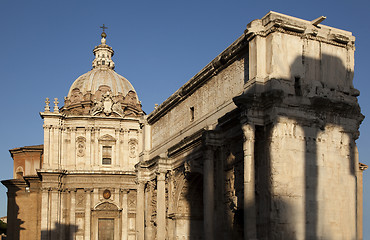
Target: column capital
(71, 189)
(212, 139)
(124, 190)
(248, 131)
(161, 175)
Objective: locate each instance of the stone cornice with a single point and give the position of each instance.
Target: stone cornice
(85, 172)
(271, 22)
(35, 148)
(14, 183)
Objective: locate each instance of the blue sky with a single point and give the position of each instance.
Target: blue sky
(159, 45)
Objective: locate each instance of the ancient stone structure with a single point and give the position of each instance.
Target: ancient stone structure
(260, 144)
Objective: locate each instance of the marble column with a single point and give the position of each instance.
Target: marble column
(208, 193)
(161, 206)
(250, 231)
(140, 211)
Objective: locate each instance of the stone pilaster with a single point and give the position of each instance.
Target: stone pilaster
(140, 211)
(54, 210)
(88, 213)
(63, 208)
(72, 216)
(46, 146)
(96, 148)
(45, 213)
(124, 214)
(62, 148)
(88, 147)
(208, 193)
(125, 149)
(250, 231)
(161, 206)
(73, 148)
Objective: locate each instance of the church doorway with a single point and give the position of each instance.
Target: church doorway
(106, 221)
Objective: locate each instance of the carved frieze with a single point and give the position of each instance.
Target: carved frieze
(133, 147)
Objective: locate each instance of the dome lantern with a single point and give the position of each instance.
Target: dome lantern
(103, 54)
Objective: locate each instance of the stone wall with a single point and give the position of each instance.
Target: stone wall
(201, 108)
(77, 143)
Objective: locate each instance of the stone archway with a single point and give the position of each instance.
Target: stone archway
(188, 216)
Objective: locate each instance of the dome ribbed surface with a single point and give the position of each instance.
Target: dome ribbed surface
(92, 80)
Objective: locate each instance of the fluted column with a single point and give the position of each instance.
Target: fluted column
(250, 231)
(208, 193)
(161, 206)
(140, 211)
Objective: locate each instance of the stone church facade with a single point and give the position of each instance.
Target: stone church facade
(260, 144)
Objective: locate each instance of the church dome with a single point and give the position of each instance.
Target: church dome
(92, 80)
(102, 91)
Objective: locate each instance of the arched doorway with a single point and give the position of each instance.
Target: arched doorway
(106, 222)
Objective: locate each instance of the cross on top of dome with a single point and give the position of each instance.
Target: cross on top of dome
(103, 34)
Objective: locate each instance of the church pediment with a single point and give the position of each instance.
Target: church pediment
(106, 206)
(107, 139)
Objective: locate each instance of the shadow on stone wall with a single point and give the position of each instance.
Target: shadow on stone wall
(323, 98)
(14, 221)
(60, 231)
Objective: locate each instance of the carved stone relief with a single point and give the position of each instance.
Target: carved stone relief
(81, 146)
(76, 96)
(133, 148)
(80, 199)
(107, 206)
(131, 200)
(107, 105)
